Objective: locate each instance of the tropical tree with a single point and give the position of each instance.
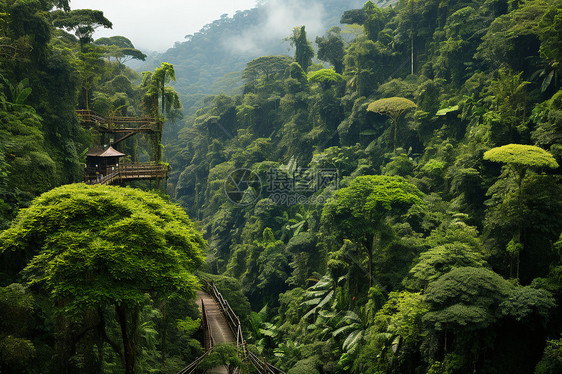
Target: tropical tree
(511, 37)
(303, 48)
(519, 158)
(83, 22)
(120, 48)
(90, 66)
(351, 328)
(393, 107)
(96, 248)
(156, 83)
(331, 48)
(440, 260)
(393, 340)
(359, 212)
(27, 168)
(325, 78)
(467, 301)
(265, 68)
(508, 110)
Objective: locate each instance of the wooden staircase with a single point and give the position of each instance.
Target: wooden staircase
(124, 127)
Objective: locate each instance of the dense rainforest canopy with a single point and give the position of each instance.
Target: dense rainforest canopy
(386, 198)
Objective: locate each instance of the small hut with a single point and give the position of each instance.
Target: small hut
(101, 162)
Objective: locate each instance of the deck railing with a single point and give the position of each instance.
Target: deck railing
(118, 123)
(125, 172)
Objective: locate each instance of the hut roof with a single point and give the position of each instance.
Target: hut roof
(99, 152)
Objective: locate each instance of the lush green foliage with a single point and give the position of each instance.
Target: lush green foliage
(88, 302)
(435, 251)
(93, 247)
(392, 106)
(429, 243)
(45, 75)
(113, 234)
(522, 156)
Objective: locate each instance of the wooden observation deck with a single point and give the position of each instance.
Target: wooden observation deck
(103, 165)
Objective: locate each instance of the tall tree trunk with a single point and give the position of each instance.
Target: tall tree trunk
(370, 255)
(164, 330)
(128, 351)
(63, 345)
(412, 54)
(395, 129)
(87, 92)
(522, 173)
(163, 88)
(371, 244)
(412, 38)
(91, 343)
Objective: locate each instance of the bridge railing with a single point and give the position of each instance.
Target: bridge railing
(207, 327)
(209, 342)
(143, 170)
(114, 122)
(193, 366)
(231, 317)
(262, 366)
(101, 179)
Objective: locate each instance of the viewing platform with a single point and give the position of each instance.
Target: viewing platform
(107, 165)
(123, 126)
(127, 172)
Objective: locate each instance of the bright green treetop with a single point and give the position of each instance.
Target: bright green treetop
(325, 76)
(519, 158)
(440, 260)
(356, 210)
(468, 298)
(104, 245)
(465, 297)
(521, 155)
(392, 107)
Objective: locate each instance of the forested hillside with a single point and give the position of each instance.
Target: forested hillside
(49, 69)
(401, 211)
(210, 61)
(384, 198)
(92, 278)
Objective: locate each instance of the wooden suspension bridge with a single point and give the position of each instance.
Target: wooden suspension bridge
(221, 325)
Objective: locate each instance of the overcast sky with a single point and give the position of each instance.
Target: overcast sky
(155, 25)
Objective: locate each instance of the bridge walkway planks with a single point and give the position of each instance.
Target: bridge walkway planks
(218, 325)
